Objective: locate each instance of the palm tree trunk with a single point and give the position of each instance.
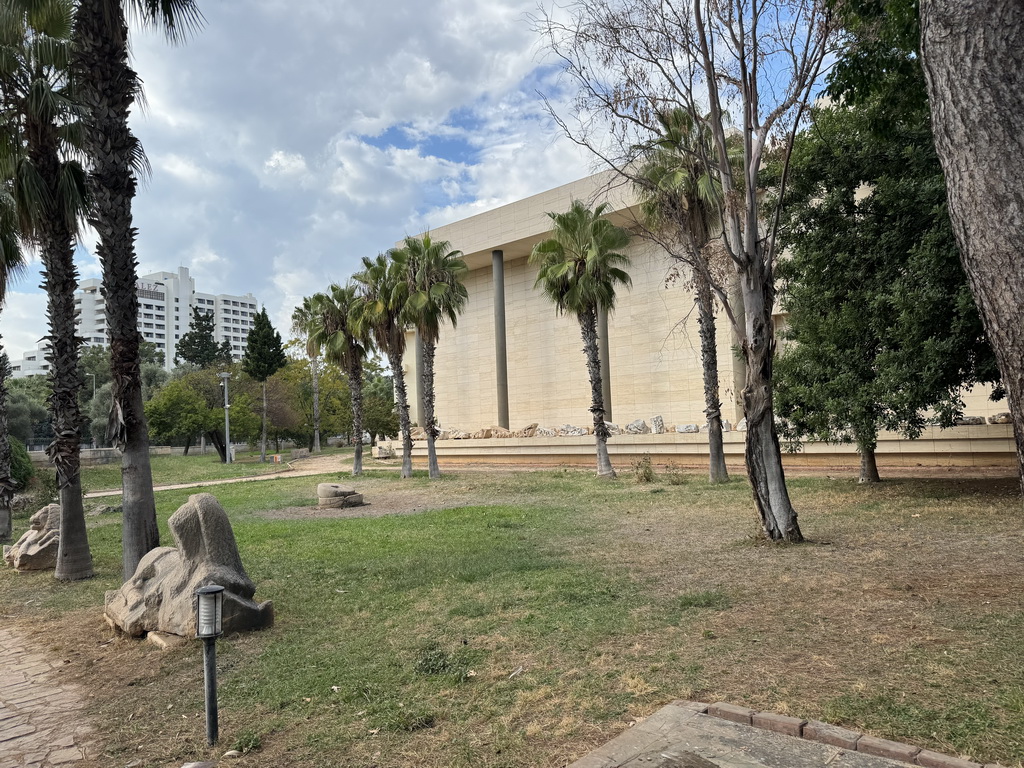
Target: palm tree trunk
(588, 329)
(429, 423)
(355, 383)
(263, 432)
(6, 481)
(60, 279)
(106, 86)
(763, 455)
(402, 401)
(314, 362)
(717, 472)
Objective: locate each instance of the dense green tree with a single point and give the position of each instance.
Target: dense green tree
(338, 328)
(433, 273)
(264, 356)
(27, 418)
(199, 346)
(36, 148)
(179, 413)
(385, 292)
(380, 415)
(107, 87)
(680, 197)
(335, 412)
(580, 266)
(880, 313)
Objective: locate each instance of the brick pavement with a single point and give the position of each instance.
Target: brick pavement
(40, 718)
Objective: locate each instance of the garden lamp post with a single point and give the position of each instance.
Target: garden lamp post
(209, 626)
(227, 418)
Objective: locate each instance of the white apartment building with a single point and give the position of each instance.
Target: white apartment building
(165, 312)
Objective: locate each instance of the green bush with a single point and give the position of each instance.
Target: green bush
(21, 465)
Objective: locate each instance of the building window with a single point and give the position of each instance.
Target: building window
(147, 325)
(147, 315)
(159, 327)
(147, 306)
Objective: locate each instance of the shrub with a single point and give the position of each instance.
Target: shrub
(643, 470)
(21, 465)
(674, 475)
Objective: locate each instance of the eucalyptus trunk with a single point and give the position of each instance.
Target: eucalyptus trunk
(355, 383)
(60, 280)
(588, 329)
(314, 362)
(763, 454)
(106, 87)
(429, 423)
(6, 481)
(402, 402)
(717, 472)
(974, 66)
(263, 428)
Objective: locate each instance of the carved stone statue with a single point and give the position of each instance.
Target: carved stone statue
(36, 550)
(160, 596)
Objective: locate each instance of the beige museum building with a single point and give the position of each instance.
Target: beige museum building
(512, 361)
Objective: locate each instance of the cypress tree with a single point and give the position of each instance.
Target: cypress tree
(264, 356)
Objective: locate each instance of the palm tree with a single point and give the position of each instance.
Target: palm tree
(12, 262)
(303, 319)
(339, 331)
(679, 193)
(38, 129)
(579, 267)
(382, 311)
(433, 273)
(107, 87)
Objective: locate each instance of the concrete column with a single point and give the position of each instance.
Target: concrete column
(500, 349)
(606, 367)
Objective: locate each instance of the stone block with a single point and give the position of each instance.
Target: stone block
(383, 452)
(931, 759)
(36, 550)
(482, 434)
(687, 429)
(570, 431)
(355, 500)
(969, 421)
(731, 712)
(613, 429)
(332, 490)
(332, 502)
(638, 427)
(1000, 418)
(790, 726)
(164, 641)
(500, 432)
(545, 432)
(693, 706)
(833, 735)
(657, 425)
(161, 594)
(894, 750)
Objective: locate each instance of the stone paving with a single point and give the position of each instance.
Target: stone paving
(40, 721)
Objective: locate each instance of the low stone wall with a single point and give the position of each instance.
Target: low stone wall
(987, 445)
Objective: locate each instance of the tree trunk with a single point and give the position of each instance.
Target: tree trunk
(218, 443)
(868, 467)
(974, 66)
(588, 329)
(60, 279)
(315, 364)
(402, 401)
(717, 472)
(763, 455)
(6, 481)
(355, 383)
(105, 86)
(263, 432)
(429, 423)
(188, 444)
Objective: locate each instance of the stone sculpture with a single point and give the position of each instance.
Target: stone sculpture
(638, 427)
(332, 495)
(36, 550)
(657, 425)
(687, 429)
(571, 431)
(1000, 418)
(160, 596)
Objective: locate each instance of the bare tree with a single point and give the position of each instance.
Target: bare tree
(974, 66)
(634, 61)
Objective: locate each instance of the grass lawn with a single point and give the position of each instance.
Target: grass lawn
(522, 619)
(169, 470)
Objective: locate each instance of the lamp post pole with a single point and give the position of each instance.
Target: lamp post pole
(209, 626)
(227, 418)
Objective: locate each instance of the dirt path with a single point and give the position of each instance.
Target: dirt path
(40, 718)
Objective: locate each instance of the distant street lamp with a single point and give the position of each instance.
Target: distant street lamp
(227, 419)
(209, 626)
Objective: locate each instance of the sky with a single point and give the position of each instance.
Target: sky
(292, 139)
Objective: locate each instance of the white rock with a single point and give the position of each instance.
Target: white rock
(687, 429)
(638, 427)
(657, 425)
(741, 426)
(571, 431)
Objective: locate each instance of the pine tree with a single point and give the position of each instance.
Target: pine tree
(198, 346)
(264, 356)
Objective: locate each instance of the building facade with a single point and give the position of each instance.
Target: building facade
(166, 300)
(512, 361)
